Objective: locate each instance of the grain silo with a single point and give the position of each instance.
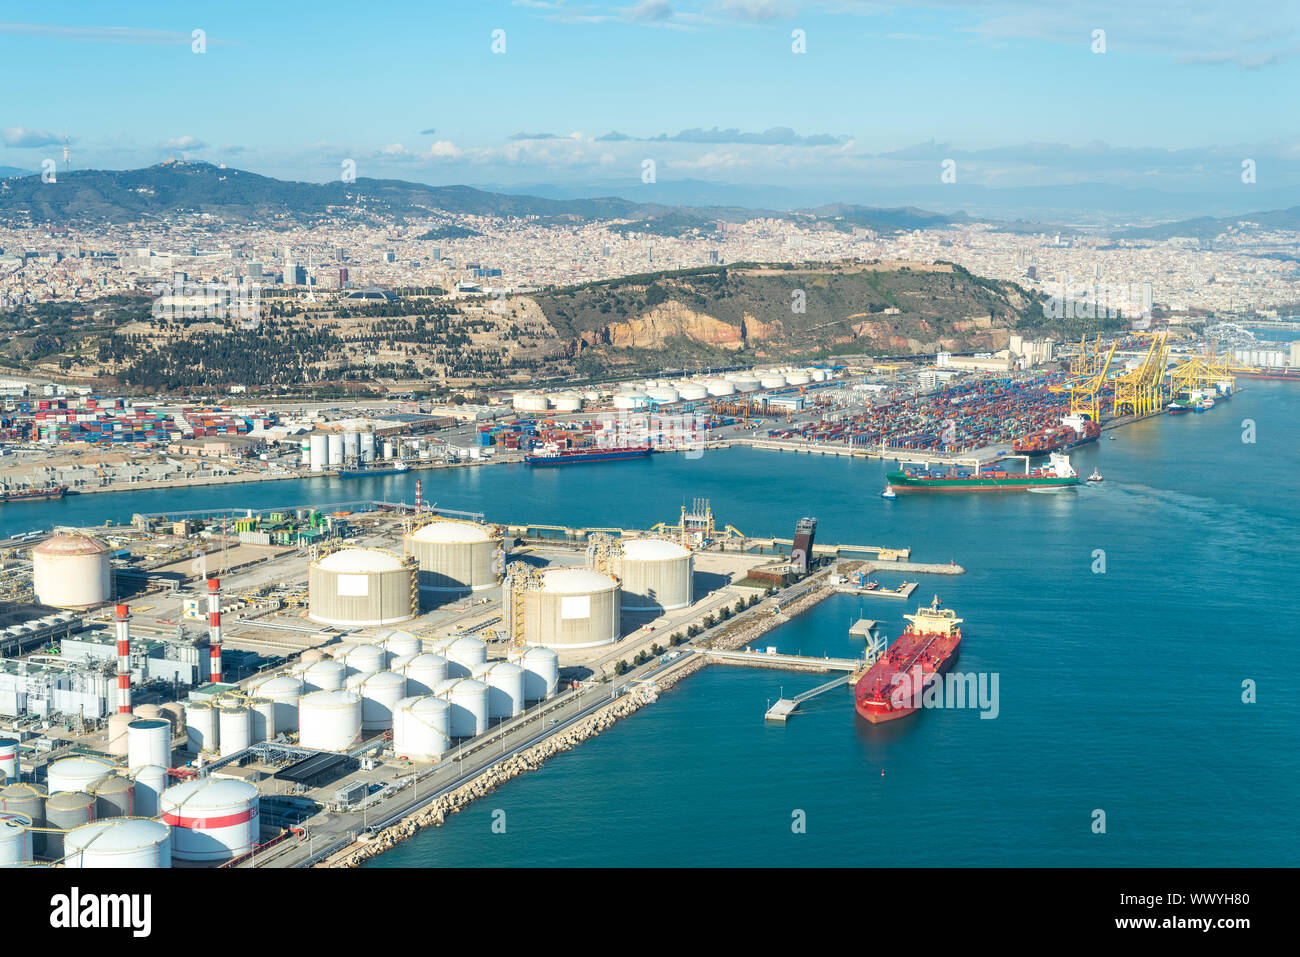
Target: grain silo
(361, 588)
(563, 607)
(72, 571)
(656, 574)
(455, 558)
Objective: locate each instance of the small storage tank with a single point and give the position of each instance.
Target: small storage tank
(319, 449)
(262, 715)
(363, 659)
(175, 713)
(311, 656)
(380, 692)
(329, 720)
(131, 842)
(201, 726)
(567, 402)
(15, 839)
(573, 608)
(326, 675)
(114, 797)
(235, 729)
(720, 387)
(149, 742)
(65, 811)
(422, 727)
(541, 672)
(529, 402)
(423, 672)
(284, 691)
(76, 774)
(118, 739)
(464, 655)
(27, 802)
(656, 574)
(9, 767)
(212, 819)
(361, 588)
(367, 446)
(334, 447)
(150, 782)
(72, 571)
(401, 643)
(398, 663)
(454, 558)
(505, 683)
(469, 706)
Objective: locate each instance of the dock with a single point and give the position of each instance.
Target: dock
(785, 707)
(863, 627)
(904, 590)
(760, 659)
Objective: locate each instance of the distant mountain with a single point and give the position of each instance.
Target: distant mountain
(1207, 227)
(7, 171)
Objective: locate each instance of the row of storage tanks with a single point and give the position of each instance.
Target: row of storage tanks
(322, 449)
(678, 390)
(426, 697)
(359, 587)
(94, 813)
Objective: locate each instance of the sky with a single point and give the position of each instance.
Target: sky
(581, 95)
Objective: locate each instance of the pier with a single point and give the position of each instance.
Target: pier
(788, 706)
(903, 590)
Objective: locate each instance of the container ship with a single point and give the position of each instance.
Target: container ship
(892, 687)
(551, 454)
(1074, 430)
(1057, 473)
(35, 494)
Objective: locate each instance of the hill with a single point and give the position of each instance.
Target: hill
(1207, 227)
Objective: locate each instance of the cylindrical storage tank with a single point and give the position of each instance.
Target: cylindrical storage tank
(284, 692)
(311, 656)
(118, 738)
(530, 402)
(401, 643)
(235, 729)
(567, 402)
(366, 658)
(65, 811)
(629, 401)
(819, 375)
(361, 588)
(692, 391)
(133, 842)
(398, 663)
(212, 819)
(329, 720)
(469, 707)
(422, 727)
(351, 446)
(27, 802)
(798, 378)
(423, 672)
(662, 393)
(304, 448)
(175, 713)
(149, 742)
(746, 384)
(151, 711)
(541, 672)
(201, 726)
(720, 387)
(150, 782)
(379, 693)
(656, 574)
(319, 451)
(454, 558)
(388, 450)
(76, 774)
(114, 797)
(341, 650)
(772, 380)
(72, 571)
(262, 713)
(8, 760)
(15, 839)
(322, 676)
(464, 655)
(335, 447)
(367, 446)
(574, 608)
(505, 683)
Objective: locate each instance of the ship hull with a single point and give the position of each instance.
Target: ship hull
(887, 674)
(583, 458)
(44, 495)
(903, 484)
(363, 473)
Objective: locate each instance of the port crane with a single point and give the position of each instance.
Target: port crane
(1142, 391)
(1085, 394)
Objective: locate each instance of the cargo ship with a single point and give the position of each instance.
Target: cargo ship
(35, 494)
(1074, 430)
(892, 687)
(552, 454)
(1057, 473)
(395, 469)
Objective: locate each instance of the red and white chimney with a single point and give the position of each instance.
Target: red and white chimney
(123, 659)
(418, 497)
(214, 630)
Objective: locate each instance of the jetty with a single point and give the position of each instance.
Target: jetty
(785, 707)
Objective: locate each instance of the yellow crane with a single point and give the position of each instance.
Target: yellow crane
(1142, 391)
(1085, 395)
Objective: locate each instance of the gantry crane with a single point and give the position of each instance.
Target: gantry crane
(1085, 394)
(1142, 391)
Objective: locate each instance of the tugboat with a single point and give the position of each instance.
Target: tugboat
(889, 492)
(1095, 476)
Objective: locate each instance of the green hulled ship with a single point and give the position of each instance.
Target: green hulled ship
(1058, 473)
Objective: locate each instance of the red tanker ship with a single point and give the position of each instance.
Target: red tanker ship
(891, 688)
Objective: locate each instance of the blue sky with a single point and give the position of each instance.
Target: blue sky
(709, 89)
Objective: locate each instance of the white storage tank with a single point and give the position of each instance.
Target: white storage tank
(329, 720)
(798, 378)
(15, 839)
(262, 713)
(380, 692)
(819, 375)
(351, 446)
(28, 802)
(663, 393)
(529, 402)
(72, 571)
(422, 727)
(284, 691)
(201, 726)
(361, 588)
(114, 797)
(656, 574)
(454, 558)
(9, 766)
(212, 819)
(148, 741)
(567, 402)
(746, 384)
(319, 451)
(328, 675)
(469, 706)
(423, 672)
(76, 774)
(339, 651)
(630, 401)
(541, 672)
(63, 812)
(335, 447)
(505, 683)
(125, 842)
(363, 659)
(118, 741)
(150, 782)
(235, 729)
(772, 380)
(400, 643)
(720, 387)
(464, 655)
(692, 391)
(573, 608)
(367, 446)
